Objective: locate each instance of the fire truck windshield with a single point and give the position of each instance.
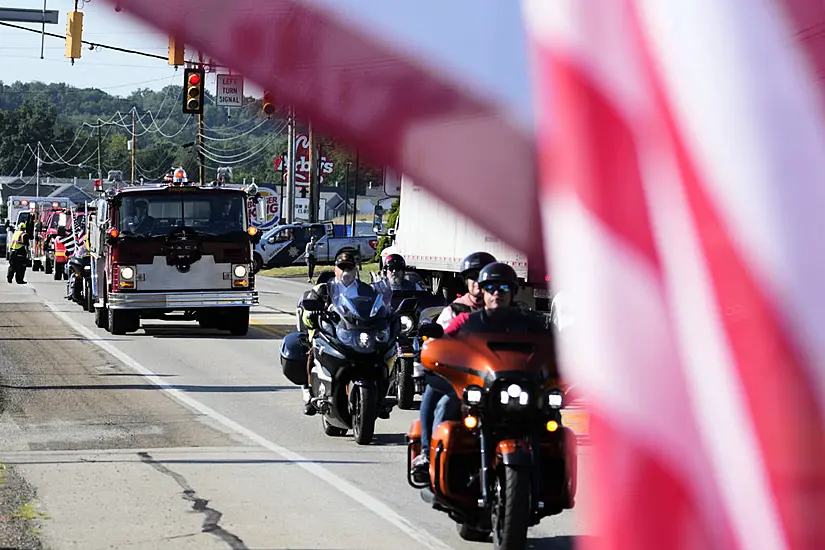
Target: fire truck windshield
(157, 215)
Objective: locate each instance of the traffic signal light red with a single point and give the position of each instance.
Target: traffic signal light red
(268, 104)
(193, 80)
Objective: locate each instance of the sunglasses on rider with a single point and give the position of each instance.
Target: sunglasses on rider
(503, 288)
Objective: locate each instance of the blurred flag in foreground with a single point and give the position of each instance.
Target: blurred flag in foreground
(682, 155)
(683, 188)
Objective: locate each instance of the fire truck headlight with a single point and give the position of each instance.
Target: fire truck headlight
(127, 273)
(239, 271)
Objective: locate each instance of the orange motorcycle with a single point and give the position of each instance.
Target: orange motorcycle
(508, 462)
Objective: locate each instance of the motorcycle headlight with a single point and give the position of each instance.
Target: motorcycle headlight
(406, 324)
(555, 399)
(514, 393)
(364, 340)
(383, 336)
(473, 395)
(239, 271)
(127, 273)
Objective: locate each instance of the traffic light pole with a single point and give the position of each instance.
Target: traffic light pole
(99, 164)
(201, 160)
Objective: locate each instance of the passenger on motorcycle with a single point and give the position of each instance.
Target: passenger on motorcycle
(346, 273)
(439, 398)
(395, 268)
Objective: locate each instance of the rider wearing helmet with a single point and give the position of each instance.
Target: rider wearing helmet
(394, 269)
(439, 400)
(471, 266)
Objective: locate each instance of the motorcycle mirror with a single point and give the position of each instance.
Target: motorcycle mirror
(311, 304)
(408, 304)
(431, 330)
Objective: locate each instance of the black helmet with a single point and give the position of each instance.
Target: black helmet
(498, 272)
(395, 261)
(475, 262)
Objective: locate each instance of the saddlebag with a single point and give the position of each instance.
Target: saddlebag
(294, 352)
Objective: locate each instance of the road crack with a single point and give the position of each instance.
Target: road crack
(212, 516)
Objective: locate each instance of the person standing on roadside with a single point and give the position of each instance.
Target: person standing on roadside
(309, 253)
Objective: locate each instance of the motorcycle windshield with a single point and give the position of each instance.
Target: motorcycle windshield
(372, 301)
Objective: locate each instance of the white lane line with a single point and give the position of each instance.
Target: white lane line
(370, 503)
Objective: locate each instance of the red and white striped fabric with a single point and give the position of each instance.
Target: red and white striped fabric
(679, 146)
(682, 182)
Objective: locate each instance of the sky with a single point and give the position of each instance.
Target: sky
(114, 72)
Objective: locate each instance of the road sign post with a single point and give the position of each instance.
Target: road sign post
(230, 91)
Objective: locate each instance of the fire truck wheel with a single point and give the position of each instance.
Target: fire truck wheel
(238, 320)
(121, 322)
(101, 317)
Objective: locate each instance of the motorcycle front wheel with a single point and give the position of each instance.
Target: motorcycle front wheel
(405, 387)
(364, 414)
(511, 509)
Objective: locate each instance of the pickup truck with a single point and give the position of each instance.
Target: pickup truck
(284, 245)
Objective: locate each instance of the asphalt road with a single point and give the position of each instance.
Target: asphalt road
(180, 437)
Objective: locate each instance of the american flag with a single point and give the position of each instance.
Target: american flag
(681, 149)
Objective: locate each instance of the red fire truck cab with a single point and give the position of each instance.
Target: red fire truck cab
(173, 247)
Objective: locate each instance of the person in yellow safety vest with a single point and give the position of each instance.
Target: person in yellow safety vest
(18, 255)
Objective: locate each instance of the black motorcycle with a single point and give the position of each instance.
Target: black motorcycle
(79, 285)
(408, 379)
(353, 345)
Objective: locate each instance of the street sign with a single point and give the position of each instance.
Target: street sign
(17, 15)
(230, 91)
(302, 209)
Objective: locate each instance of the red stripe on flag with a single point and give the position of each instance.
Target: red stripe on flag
(595, 158)
(786, 417)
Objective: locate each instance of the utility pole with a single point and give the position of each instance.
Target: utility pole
(133, 146)
(355, 191)
(346, 194)
(313, 177)
(201, 161)
(99, 164)
(290, 184)
(37, 174)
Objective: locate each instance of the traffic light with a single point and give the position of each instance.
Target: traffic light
(176, 52)
(193, 81)
(268, 104)
(74, 34)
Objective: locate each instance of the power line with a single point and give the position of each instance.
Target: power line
(92, 44)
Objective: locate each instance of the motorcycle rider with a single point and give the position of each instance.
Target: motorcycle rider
(18, 255)
(394, 269)
(498, 282)
(472, 300)
(346, 275)
(439, 397)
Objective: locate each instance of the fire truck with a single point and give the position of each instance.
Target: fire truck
(29, 210)
(177, 247)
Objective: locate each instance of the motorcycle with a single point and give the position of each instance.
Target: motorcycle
(409, 375)
(353, 350)
(79, 285)
(509, 461)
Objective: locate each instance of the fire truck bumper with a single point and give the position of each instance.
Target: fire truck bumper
(182, 300)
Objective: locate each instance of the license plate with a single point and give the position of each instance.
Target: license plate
(541, 293)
